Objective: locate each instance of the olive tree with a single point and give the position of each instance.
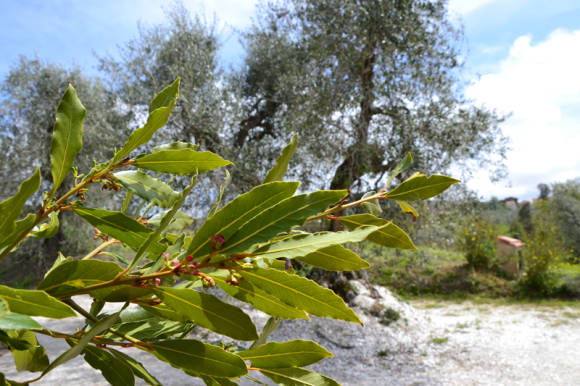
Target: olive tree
(29, 93)
(364, 83)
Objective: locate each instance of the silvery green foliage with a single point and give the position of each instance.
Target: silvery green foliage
(363, 83)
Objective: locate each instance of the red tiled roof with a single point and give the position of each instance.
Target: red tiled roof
(511, 241)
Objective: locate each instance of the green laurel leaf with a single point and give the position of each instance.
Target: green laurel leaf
(35, 303)
(181, 161)
(295, 353)
(209, 312)
(159, 111)
(67, 136)
(281, 166)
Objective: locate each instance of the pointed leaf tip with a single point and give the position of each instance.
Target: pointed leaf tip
(159, 111)
(166, 97)
(421, 187)
(281, 167)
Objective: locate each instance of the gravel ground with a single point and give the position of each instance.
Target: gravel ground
(431, 344)
(505, 345)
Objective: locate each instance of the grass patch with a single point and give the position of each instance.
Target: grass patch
(430, 271)
(383, 353)
(431, 305)
(444, 275)
(560, 322)
(571, 315)
(439, 340)
(570, 270)
(538, 302)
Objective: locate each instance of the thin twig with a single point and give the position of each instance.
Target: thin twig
(98, 249)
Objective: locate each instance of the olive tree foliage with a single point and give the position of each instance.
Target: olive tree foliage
(29, 93)
(544, 191)
(187, 47)
(364, 83)
(565, 209)
(184, 46)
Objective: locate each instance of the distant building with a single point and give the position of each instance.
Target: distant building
(508, 253)
(510, 202)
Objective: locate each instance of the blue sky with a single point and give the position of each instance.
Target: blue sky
(522, 57)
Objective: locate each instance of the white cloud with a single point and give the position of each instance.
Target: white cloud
(539, 84)
(464, 7)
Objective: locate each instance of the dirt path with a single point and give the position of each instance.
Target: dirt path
(433, 344)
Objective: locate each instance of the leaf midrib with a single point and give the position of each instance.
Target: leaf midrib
(280, 304)
(192, 355)
(294, 290)
(312, 244)
(379, 230)
(138, 136)
(289, 353)
(66, 145)
(118, 226)
(237, 221)
(287, 376)
(321, 252)
(416, 189)
(147, 188)
(278, 219)
(198, 307)
(172, 161)
(27, 302)
(69, 282)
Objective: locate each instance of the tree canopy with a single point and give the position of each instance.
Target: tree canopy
(363, 83)
(565, 211)
(185, 47)
(29, 94)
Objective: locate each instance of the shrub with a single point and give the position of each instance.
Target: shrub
(539, 259)
(478, 242)
(542, 253)
(565, 211)
(238, 249)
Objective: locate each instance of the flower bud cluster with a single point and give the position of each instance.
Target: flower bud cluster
(217, 241)
(187, 267)
(148, 282)
(81, 194)
(207, 281)
(109, 183)
(100, 235)
(234, 279)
